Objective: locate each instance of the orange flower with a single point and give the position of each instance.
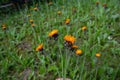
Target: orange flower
(67, 21)
(74, 47)
(53, 32)
(84, 28)
(4, 26)
(105, 6)
(78, 52)
(35, 8)
(50, 3)
(97, 54)
(59, 12)
(40, 47)
(33, 25)
(31, 21)
(97, 3)
(70, 39)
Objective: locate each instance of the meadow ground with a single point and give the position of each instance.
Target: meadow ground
(76, 39)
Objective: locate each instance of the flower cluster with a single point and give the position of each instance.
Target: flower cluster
(69, 39)
(104, 5)
(32, 23)
(69, 42)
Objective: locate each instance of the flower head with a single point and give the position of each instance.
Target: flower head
(67, 21)
(40, 47)
(59, 12)
(36, 9)
(74, 47)
(31, 21)
(4, 26)
(69, 39)
(84, 28)
(53, 33)
(97, 54)
(78, 52)
(33, 25)
(105, 6)
(97, 3)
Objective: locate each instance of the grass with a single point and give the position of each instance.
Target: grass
(18, 41)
